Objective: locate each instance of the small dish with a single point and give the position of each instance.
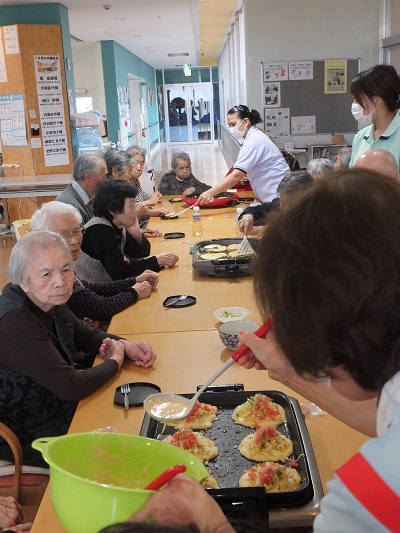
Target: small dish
(174, 235)
(229, 314)
(229, 332)
(187, 302)
(139, 391)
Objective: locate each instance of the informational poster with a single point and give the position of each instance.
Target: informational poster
(11, 39)
(301, 70)
(303, 125)
(275, 71)
(12, 120)
(272, 94)
(3, 70)
(277, 123)
(51, 110)
(335, 78)
(124, 111)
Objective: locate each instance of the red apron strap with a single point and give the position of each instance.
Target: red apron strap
(371, 491)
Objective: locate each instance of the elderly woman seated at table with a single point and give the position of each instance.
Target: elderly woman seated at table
(114, 246)
(143, 198)
(43, 371)
(98, 301)
(123, 166)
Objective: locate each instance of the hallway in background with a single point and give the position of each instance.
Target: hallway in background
(208, 163)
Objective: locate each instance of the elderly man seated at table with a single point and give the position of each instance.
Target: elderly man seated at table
(89, 170)
(47, 353)
(114, 246)
(98, 301)
(379, 160)
(256, 215)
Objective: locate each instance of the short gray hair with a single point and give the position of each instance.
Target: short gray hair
(135, 150)
(89, 162)
(40, 218)
(345, 157)
(119, 160)
(295, 181)
(319, 166)
(179, 155)
(29, 246)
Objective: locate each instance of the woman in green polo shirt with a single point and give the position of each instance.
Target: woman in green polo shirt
(376, 94)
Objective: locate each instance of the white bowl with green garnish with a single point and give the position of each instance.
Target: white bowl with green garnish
(229, 314)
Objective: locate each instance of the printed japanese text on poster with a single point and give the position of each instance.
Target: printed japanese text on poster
(335, 79)
(12, 120)
(306, 124)
(301, 70)
(277, 123)
(275, 71)
(51, 109)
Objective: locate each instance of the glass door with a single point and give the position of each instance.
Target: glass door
(189, 113)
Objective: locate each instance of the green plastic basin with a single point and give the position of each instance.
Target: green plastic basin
(98, 479)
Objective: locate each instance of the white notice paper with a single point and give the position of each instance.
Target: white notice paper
(11, 39)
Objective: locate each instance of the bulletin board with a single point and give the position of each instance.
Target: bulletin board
(307, 98)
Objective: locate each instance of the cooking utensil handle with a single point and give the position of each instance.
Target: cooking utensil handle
(224, 367)
(184, 211)
(165, 477)
(261, 332)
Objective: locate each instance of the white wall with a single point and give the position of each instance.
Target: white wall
(88, 72)
(306, 29)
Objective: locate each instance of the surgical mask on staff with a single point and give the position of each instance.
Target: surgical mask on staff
(236, 133)
(358, 114)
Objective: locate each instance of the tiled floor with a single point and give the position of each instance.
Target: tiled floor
(208, 165)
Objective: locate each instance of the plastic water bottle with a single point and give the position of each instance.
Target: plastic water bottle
(197, 228)
(239, 211)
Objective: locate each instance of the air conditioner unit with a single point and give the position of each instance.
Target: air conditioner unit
(80, 92)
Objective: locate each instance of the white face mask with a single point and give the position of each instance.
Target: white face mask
(236, 133)
(358, 114)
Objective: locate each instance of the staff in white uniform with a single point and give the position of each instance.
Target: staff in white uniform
(259, 159)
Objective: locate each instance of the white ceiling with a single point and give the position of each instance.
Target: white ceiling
(152, 29)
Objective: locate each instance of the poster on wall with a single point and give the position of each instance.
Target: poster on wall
(335, 76)
(3, 70)
(302, 125)
(275, 71)
(272, 94)
(11, 39)
(51, 110)
(277, 123)
(124, 111)
(12, 120)
(301, 70)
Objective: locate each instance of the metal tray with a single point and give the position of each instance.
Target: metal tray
(239, 266)
(293, 508)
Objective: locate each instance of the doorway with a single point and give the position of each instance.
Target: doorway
(190, 113)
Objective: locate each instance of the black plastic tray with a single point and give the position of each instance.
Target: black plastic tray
(177, 304)
(140, 390)
(229, 465)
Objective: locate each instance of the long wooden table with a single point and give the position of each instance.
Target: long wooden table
(189, 350)
(211, 293)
